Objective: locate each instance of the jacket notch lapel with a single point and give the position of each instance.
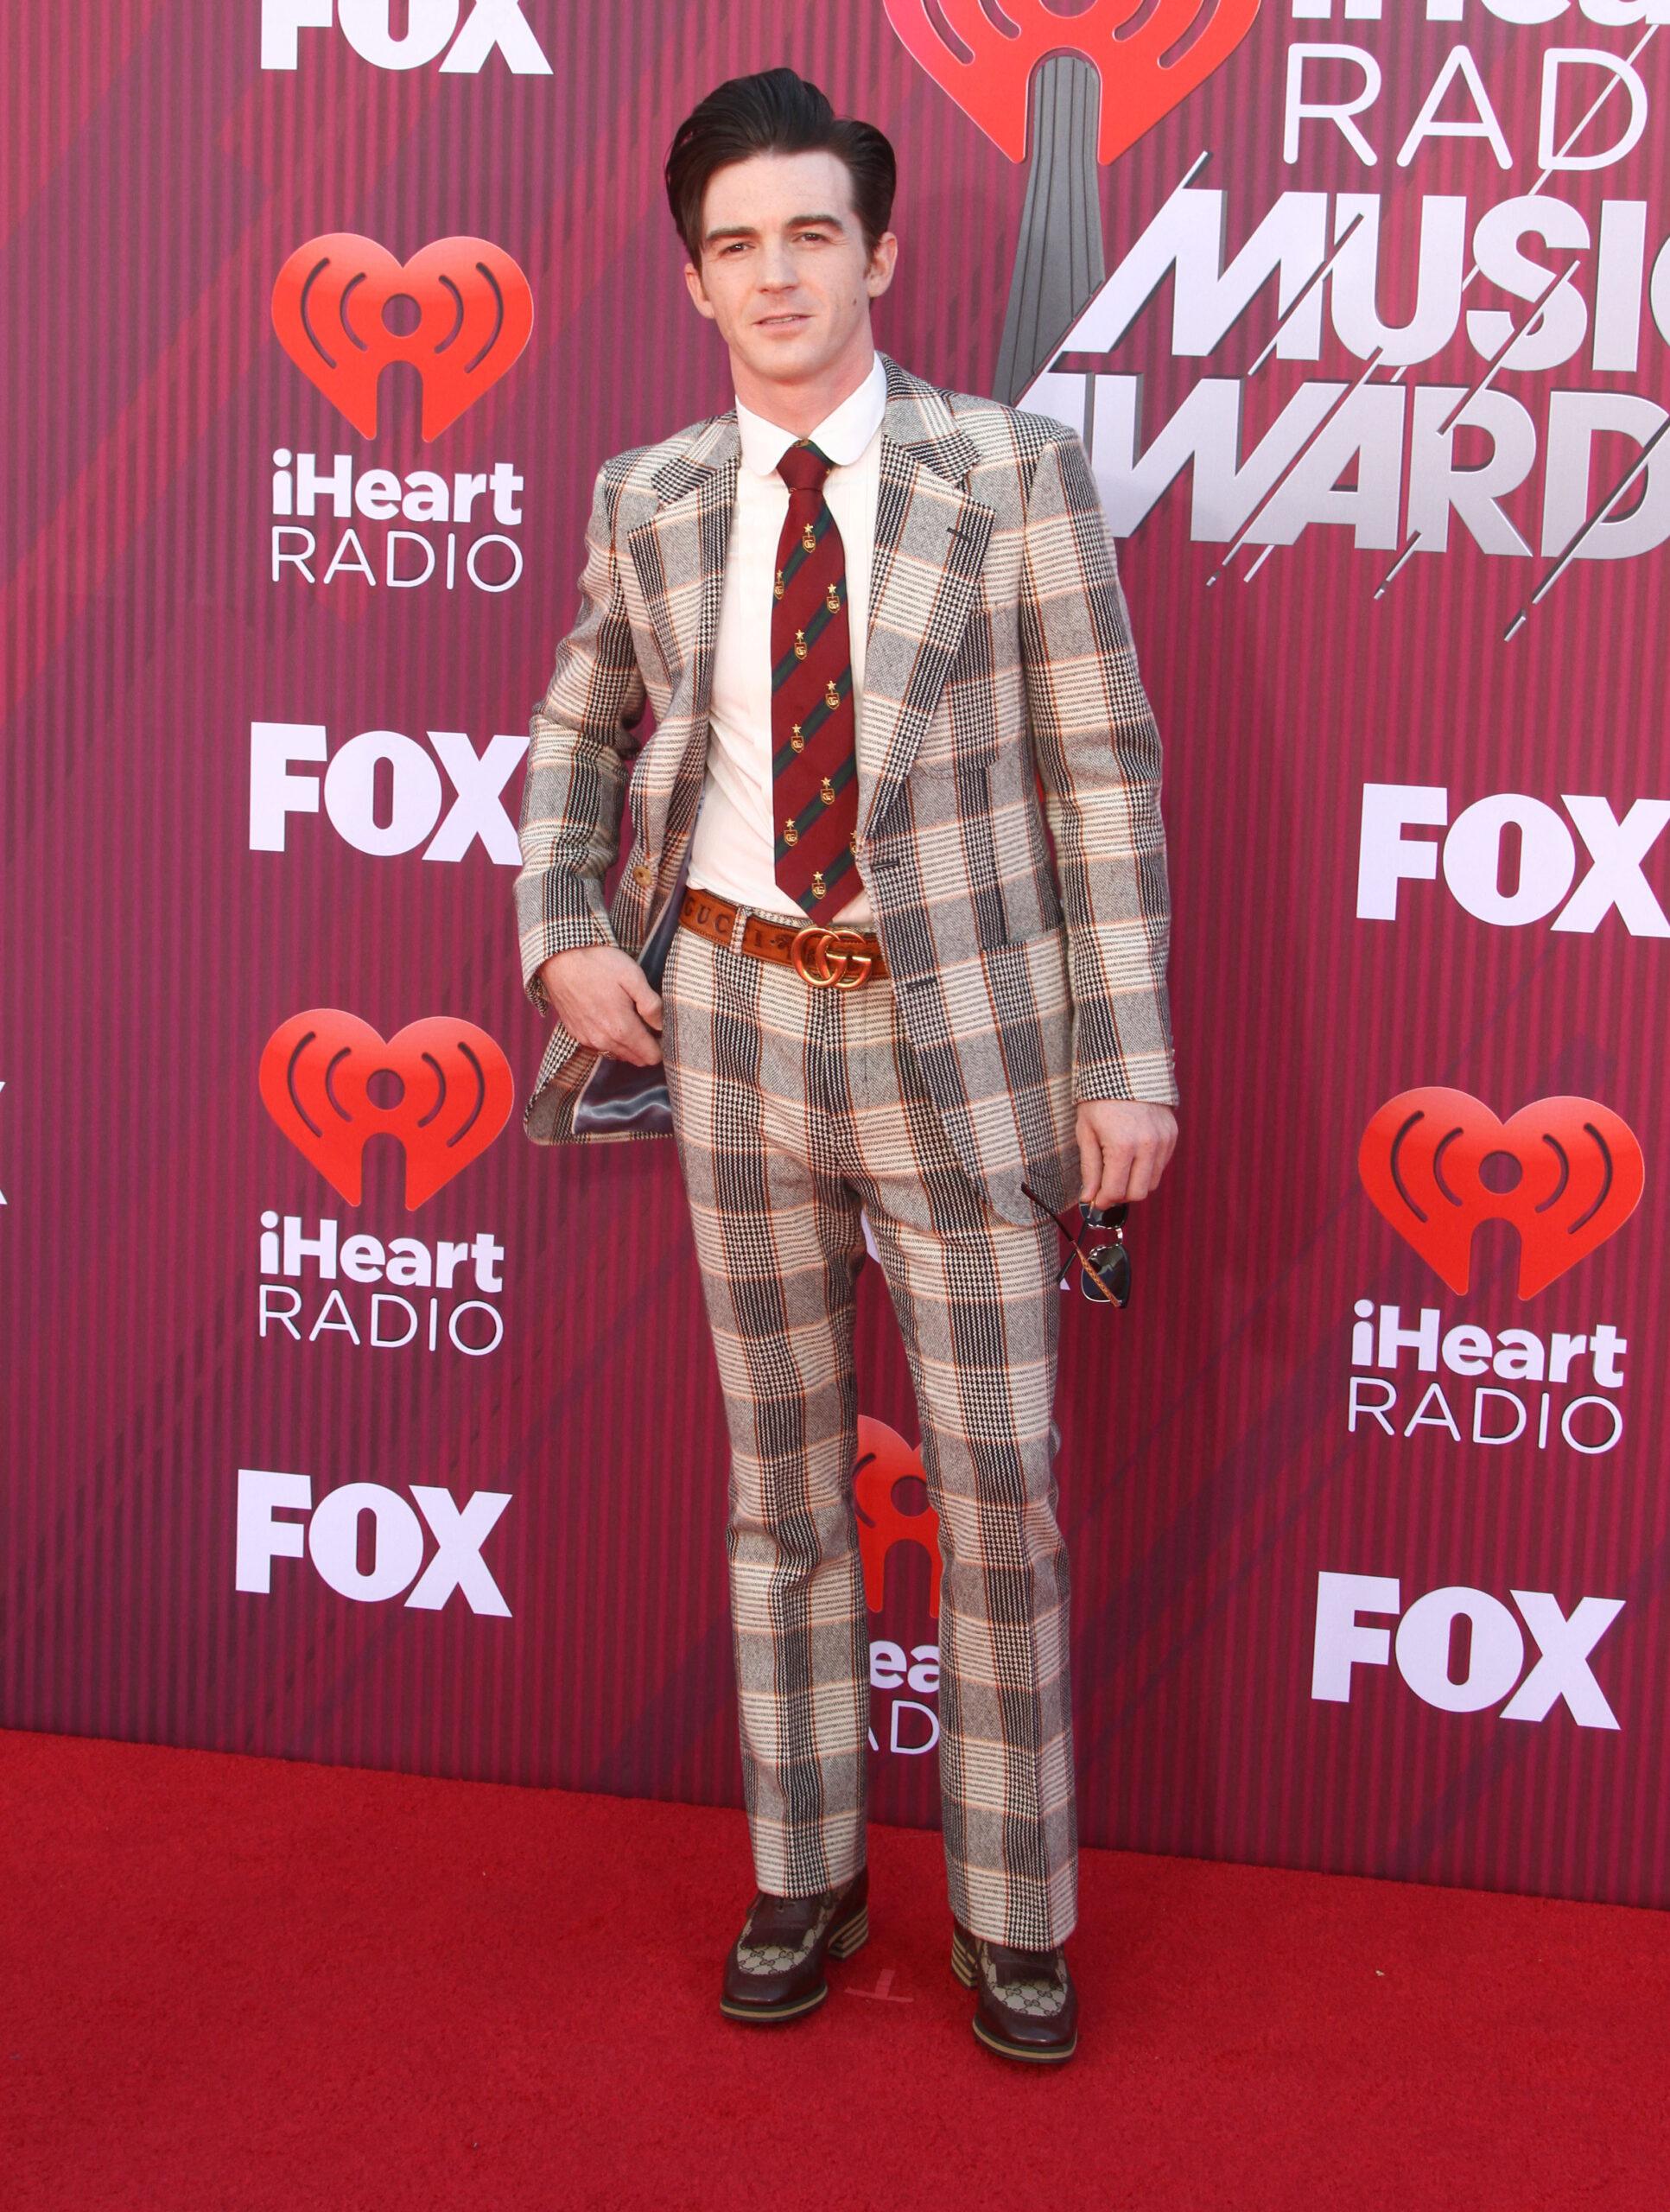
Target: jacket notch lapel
(930, 540)
(679, 555)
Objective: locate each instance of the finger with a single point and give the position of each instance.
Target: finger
(1089, 1163)
(1142, 1179)
(645, 998)
(1152, 1164)
(641, 1042)
(636, 1054)
(1116, 1162)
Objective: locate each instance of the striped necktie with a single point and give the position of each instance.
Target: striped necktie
(814, 760)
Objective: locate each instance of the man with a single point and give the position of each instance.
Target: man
(882, 631)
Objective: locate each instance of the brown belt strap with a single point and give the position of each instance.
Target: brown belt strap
(820, 953)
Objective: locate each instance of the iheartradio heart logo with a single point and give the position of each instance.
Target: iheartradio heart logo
(885, 1459)
(455, 1095)
(330, 309)
(988, 80)
(1572, 1173)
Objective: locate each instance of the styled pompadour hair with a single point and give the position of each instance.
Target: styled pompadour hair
(775, 111)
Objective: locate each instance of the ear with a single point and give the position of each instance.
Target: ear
(880, 274)
(697, 290)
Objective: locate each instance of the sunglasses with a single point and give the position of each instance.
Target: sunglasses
(1099, 1246)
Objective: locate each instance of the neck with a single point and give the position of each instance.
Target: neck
(801, 403)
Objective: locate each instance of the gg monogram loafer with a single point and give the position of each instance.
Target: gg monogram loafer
(1027, 2007)
(775, 1970)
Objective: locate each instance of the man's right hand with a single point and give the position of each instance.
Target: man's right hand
(603, 997)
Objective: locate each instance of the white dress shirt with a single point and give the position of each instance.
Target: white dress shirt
(731, 847)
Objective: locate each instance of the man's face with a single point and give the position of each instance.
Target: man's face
(784, 271)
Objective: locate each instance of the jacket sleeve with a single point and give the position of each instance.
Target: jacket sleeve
(581, 746)
(1098, 752)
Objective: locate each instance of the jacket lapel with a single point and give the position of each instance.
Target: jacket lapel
(679, 555)
(931, 539)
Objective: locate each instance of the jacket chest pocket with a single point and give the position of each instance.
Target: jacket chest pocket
(971, 711)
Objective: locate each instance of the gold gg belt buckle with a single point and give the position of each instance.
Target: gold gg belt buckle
(818, 944)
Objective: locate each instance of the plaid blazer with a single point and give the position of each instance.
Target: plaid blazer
(1001, 689)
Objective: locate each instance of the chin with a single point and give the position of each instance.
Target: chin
(770, 356)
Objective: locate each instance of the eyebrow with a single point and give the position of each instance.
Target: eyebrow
(747, 230)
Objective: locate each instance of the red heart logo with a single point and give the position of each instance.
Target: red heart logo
(885, 1459)
(1579, 1178)
(1137, 88)
(456, 1093)
(474, 312)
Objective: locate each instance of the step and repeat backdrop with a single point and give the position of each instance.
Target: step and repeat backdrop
(345, 1424)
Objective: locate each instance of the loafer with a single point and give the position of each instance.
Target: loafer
(775, 1970)
(1028, 2007)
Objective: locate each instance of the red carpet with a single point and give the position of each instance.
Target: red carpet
(245, 1984)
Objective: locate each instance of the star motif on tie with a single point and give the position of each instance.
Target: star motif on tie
(814, 760)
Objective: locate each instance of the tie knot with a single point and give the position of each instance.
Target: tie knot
(803, 467)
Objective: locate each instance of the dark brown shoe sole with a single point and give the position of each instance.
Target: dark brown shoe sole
(850, 1936)
(965, 1967)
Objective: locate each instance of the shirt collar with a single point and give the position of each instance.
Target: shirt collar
(843, 434)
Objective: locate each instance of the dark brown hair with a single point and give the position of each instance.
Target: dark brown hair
(775, 111)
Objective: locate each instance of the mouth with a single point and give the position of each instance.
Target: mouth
(782, 321)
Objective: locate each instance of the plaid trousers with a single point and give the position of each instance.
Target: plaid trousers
(793, 1107)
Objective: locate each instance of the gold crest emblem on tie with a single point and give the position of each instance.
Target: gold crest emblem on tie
(801, 647)
(832, 692)
(826, 791)
(832, 599)
(776, 588)
(797, 739)
(791, 835)
(808, 539)
(819, 887)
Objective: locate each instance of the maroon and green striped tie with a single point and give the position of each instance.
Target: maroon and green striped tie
(814, 760)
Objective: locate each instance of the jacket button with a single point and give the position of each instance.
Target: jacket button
(642, 871)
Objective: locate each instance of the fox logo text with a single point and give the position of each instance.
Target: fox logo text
(1511, 860)
(490, 27)
(332, 1538)
(417, 812)
(1494, 1644)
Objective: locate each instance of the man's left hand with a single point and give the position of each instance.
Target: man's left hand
(1123, 1147)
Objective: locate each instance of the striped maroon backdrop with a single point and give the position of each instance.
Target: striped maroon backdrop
(261, 770)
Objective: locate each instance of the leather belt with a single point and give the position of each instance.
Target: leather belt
(822, 954)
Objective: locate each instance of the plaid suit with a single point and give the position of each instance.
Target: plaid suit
(999, 670)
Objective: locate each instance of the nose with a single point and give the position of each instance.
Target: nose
(776, 271)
